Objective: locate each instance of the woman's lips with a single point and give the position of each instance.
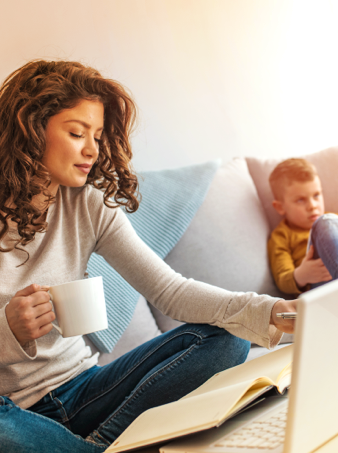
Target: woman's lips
(83, 168)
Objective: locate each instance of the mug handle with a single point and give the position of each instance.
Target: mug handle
(55, 327)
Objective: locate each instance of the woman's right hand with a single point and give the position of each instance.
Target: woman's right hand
(284, 306)
(29, 313)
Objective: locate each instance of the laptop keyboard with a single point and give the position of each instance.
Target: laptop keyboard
(265, 434)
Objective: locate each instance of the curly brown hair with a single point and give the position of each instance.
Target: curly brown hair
(29, 97)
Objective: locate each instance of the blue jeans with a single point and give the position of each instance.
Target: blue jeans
(324, 238)
(102, 401)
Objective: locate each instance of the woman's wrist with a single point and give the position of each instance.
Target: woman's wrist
(283, 306)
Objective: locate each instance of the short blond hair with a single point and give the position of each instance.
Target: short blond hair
(288, 171)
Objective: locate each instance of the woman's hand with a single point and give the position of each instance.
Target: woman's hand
(284, 306)
(29, 313)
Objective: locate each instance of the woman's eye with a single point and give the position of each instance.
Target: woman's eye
(75, 135)
(98, 140)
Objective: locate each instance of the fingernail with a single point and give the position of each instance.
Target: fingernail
(45, 288)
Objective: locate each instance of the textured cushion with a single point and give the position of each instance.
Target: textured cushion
(142, 328)
(170, 199)
(226, 243)
(326, 162)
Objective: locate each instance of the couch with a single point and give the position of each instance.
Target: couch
(226, 242)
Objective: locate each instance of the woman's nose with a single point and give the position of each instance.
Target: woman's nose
(91, 149)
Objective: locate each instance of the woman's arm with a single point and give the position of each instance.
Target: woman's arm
(246, 315)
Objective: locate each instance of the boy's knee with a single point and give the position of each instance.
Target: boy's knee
(325, 223)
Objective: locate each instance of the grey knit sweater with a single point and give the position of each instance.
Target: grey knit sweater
(80, 224)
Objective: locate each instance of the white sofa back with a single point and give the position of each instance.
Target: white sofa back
(325, 161)
(226, 243)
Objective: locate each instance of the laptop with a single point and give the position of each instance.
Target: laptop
(307, 416)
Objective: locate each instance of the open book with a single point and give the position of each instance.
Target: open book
(211, 404)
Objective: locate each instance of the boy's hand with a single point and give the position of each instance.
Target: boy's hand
(284, 306)
(311, 271)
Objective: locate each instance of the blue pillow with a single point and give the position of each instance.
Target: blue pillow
(170, 199)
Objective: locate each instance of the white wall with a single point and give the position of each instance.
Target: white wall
(212, 78)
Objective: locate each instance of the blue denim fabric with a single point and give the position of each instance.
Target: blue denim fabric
(103, 401)
(324, 238)
(22, 431)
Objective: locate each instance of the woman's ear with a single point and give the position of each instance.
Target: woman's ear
(278, 205)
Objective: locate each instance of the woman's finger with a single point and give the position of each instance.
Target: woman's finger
(42, 309)
(45, 319)
(29, 290)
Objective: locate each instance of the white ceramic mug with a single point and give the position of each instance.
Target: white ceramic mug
(79, 307)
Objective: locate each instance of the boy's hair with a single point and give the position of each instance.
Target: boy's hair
(287, 172)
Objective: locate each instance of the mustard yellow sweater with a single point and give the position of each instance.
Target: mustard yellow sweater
(287, 249)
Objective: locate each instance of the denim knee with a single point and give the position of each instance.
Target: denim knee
(323, 223)
(237, 348)
(224, 349)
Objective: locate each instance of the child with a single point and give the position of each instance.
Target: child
(298, 198)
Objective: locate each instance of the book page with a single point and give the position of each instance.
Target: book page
(210, 404)
(181, 417)
(251, 395)
(269, 365)
(284, 378)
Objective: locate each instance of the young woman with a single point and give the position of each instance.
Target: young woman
(64, 156)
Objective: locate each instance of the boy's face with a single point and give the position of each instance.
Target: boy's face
(302, 203)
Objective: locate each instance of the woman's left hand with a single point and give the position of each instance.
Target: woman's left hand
(284, 306)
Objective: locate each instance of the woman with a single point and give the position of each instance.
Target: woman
(64, 154)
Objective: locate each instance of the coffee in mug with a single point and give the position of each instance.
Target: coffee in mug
(79, 307)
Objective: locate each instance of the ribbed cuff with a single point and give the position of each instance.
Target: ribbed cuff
(12, 352)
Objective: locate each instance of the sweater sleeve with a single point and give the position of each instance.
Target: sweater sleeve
(11, 350)
(246, 315)
(281, 262)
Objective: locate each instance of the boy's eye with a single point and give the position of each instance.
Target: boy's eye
(300, 200)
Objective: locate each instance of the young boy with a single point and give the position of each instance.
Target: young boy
(298, 198)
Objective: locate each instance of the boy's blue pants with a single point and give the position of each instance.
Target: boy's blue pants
(324, 238)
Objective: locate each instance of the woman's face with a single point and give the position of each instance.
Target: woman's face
(72, 144)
